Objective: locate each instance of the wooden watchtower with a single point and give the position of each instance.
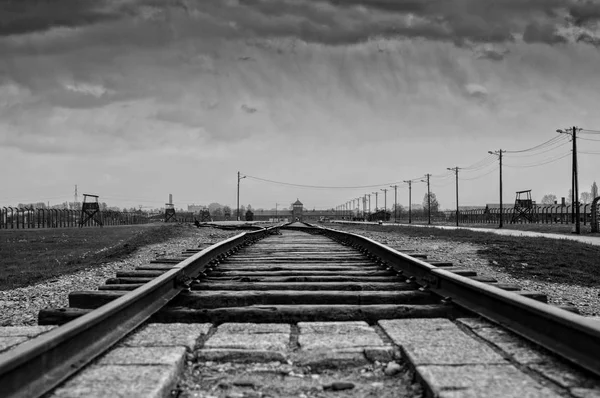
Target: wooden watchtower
(90, 210)
(524, 207)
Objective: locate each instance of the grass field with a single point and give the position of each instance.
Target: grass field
(563, 229)
(33, 255)
(541, 259)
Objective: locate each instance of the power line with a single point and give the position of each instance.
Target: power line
(588, 139)
(540, 164)
(587, 131)
(479, 176)
(319, 186)
(542, 145)
(562, 142)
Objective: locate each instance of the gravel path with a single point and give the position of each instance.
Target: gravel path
(20, 306)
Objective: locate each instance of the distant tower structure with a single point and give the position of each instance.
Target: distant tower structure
(297, 210)
(170, 210)
(90, 210)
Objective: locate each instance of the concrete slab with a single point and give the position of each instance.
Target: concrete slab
(334, 327)
(518, 348)
(438, 341)
(502, 381)
(313, 341)
(168, 335)
(27, 331)
(11, 341)
(562, 374)
(172, 356)
(120, 381)
(258, 341)
(253, 328)
(475, 323)
(240, 355)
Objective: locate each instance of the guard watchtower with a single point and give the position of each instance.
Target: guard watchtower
(90, 210)
(297, 211)
(524, 207)
(169, 212)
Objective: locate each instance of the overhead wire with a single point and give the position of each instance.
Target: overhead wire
(542, 145)
(479, 176)
(319, 186)
(540, 164)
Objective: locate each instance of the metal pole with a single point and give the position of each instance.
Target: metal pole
(575, 176)
(384, 203)
(501, 206)
(238, 197)
(409, 201)
(455, 169)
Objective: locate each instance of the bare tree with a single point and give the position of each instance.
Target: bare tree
(548, 199)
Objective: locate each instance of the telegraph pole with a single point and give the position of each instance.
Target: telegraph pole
(455, 169)
(428, 199)
(499, 154)
(369, 196)
(384, 202)
(409, 201)
(238, 195)
(395, 202)
(574, 180)
(276, 216)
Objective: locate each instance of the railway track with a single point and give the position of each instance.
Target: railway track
(295, 274)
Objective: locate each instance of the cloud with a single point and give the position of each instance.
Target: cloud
(537, 33)
(476, 91)
(95, 90)
(330, 22)
(248, 109)
(491, 53)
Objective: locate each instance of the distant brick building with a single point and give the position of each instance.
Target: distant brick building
(298, 212)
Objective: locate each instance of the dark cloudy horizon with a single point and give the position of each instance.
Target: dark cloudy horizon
(132, 100)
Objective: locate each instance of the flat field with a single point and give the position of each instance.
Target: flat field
(29, 256)
(541, 259)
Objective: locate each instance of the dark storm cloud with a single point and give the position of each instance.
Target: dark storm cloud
(25, 16)
(329, 22)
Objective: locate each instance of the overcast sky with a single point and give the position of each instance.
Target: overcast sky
(133, 100)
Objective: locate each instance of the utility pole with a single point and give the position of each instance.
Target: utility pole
(75, 202)
(276, 216)
(455, 169)
(409, 200)
(499, 154)
(428, 199)
(369, 196)
(384, 202)
(574, 180)
(238, 195)
(376, 193)
(395, 202)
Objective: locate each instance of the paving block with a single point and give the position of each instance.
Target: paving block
(438, 342)
(334, 327)
(173, 356)
(26, 331)
(258, 341)
(11, 341)
(240, 355)
(168, 335)
(518, 348)
(490, 381)
(475, 323)
(120, 381)
(253, 328)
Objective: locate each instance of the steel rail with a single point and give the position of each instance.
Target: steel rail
(571, 336)
(35, 367)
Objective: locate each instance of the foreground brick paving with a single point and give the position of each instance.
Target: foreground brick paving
(466, 358)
